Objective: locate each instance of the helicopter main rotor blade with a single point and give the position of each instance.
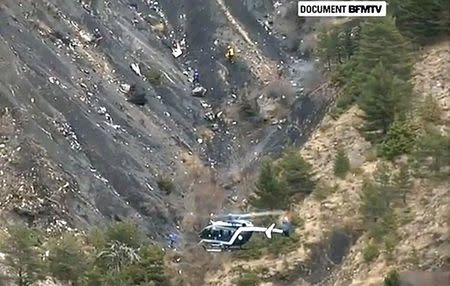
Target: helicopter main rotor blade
(250, 215)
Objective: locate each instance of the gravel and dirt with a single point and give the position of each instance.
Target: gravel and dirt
(83, 116)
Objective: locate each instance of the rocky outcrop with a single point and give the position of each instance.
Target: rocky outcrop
(97, 95)
(422, 250)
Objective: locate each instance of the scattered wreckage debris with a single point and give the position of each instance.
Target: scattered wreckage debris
(176, 52)
(66, 130)
(135, 67)
(198, 91)
(124, 88)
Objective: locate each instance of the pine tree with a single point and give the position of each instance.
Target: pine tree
(402, 182)
(341, 164)
(381, 42)
(399, 140)
(422, 19)
(373, 203)
(269, 190)
(22, 254)
(382, 177)
(296, 172)
(327, 47)
(435, 146)
(338, 43)
(384, 98)
(67, 261)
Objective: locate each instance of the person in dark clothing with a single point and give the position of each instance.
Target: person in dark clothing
(196, 79)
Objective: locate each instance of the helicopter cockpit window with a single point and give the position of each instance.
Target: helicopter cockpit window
(206, 234)
(216, 234)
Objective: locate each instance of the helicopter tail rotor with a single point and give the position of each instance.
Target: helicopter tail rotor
(269, 230)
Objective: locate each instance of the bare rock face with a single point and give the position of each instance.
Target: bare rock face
(94, 106)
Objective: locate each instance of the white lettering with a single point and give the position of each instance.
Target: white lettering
(342, 8)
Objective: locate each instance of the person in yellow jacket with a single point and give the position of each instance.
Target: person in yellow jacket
(230, 53)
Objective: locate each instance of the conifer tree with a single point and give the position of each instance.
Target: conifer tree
(341, 163)
(435, 146)
(380, 43)
(21, 248)
(296, 173)
(269, 191)
(327, 47)
(67, 261)
(399, 140)
(422, 19)
(402, 182)
(384, 98)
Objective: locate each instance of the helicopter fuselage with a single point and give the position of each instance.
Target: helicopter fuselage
(232, 234)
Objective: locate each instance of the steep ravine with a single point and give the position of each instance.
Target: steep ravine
(75, 153)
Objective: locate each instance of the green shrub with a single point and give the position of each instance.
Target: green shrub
(370, 252)
(390, 243)
(253, 249)
(165, 184)
(282, 245)
(341, 164)
(392, 279)
(430, 110)
(154, 76)
(323, 190)
(247, 278)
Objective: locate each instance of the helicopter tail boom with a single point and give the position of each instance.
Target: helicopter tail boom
(271, 229)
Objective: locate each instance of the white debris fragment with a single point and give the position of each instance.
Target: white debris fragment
(101, 110)
(200, 140)
(277, 4)
(199, 91)
(87, 37)
(53, 80)
(125, 88)
(136, 69)
(176, 52)
(204, 104)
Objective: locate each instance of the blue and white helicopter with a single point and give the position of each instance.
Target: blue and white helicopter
(232, 231)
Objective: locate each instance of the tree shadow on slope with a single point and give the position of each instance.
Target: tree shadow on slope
(325, 256)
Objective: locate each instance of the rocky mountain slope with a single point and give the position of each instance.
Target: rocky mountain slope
(95, 109)
(331, 242)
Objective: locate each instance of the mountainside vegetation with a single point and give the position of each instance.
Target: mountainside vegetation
(117, 255)
(372, 65)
